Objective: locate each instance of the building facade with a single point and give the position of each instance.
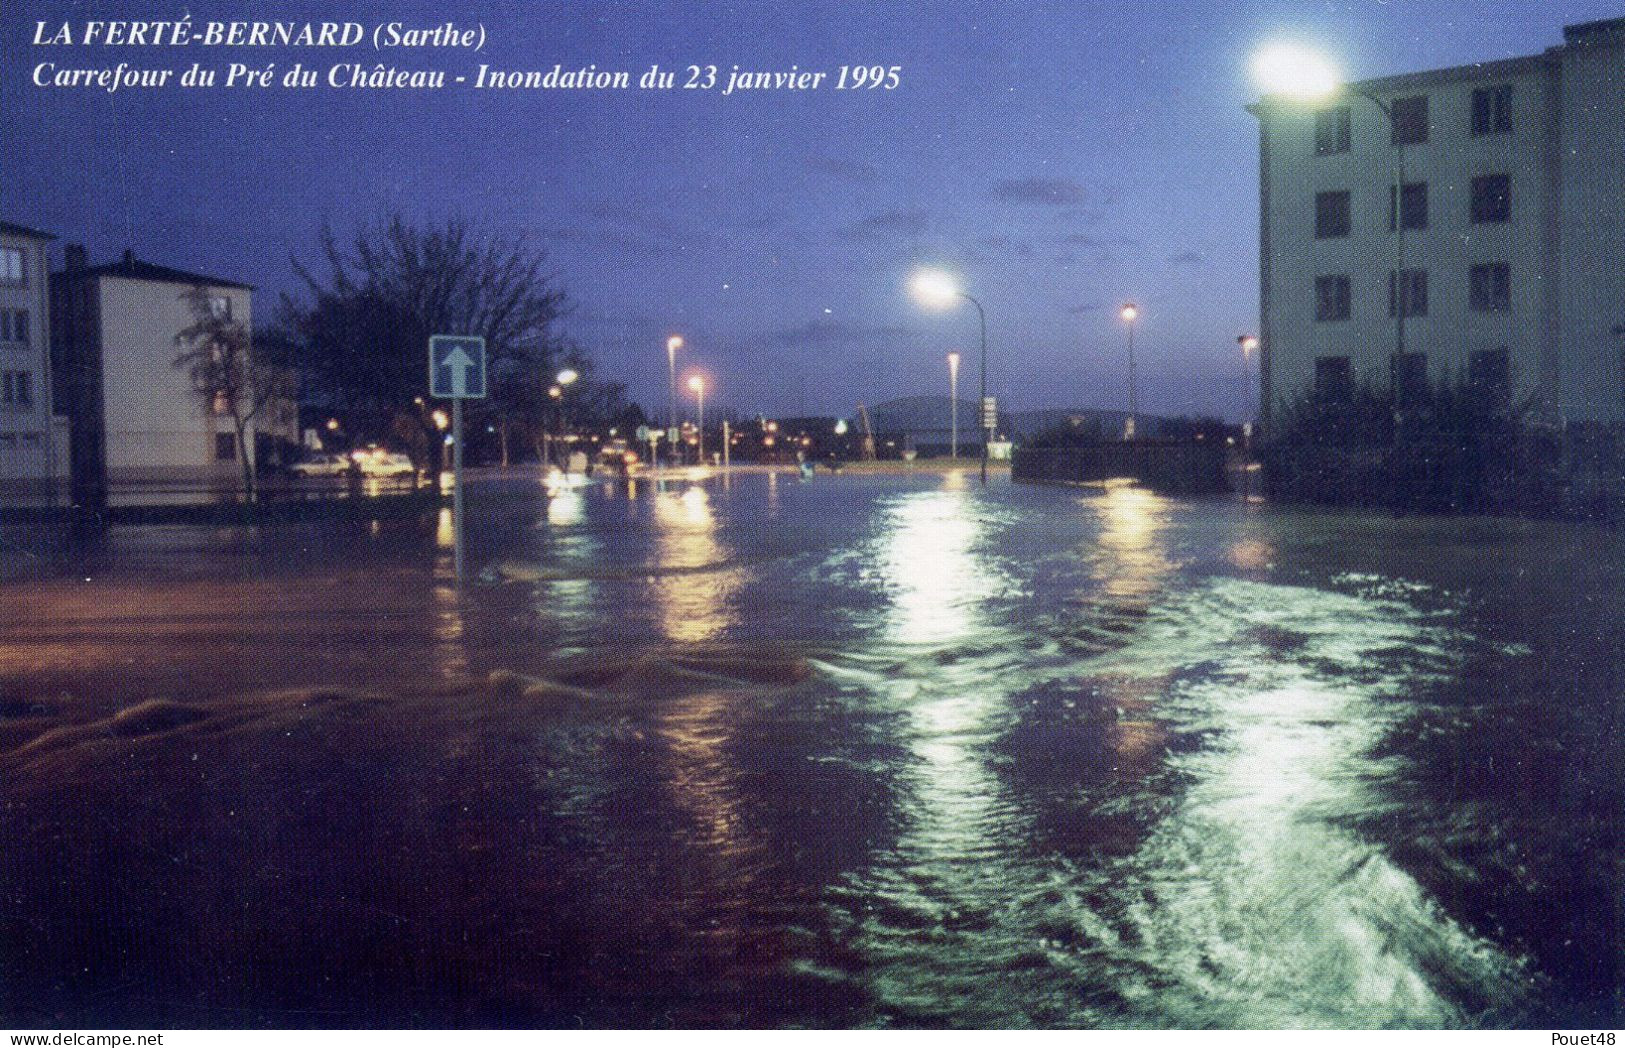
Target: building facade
(136, 417)
(1459, 225)
(33, 441)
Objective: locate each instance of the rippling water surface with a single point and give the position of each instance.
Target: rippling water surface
(861, 751)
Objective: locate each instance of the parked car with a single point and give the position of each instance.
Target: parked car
(322, 465)
(377, 462)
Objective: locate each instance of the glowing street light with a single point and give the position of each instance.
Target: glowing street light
(1130, 313)
(696, 384)
(567, 376)
(1249, 345)
(935, 289)
(673, 344)
(1296, 72)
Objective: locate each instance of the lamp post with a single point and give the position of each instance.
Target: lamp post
(936, 289)
(1130, 313)
(1306, 76)
(1248, 344)
(555, 392)
(441, 421)
(697, 384)
(673, 344)
(953, 405)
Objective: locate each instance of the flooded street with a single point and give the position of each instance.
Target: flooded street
(870, 750)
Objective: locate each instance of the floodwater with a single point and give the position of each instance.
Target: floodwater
(869, 750)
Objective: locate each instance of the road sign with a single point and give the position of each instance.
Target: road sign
(643, 434)
(457, 367)
(990, 413)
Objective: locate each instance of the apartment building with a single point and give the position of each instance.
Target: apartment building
(136, 417)
(33, 441)
(1454, 225)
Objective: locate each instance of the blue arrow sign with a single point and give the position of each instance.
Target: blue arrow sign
(456, 367)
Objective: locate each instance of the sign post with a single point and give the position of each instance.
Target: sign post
(457, 373)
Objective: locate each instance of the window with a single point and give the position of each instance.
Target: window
(1412, 285)
(225, 447)
(13, 325)
(1492, 110)
(1411, 207)
(16, 388)
(1408, 372)
(1332, 130)
(1492, 198)
(1489, 374)
(220, 307)
(222, 404)
(11, 265)
(1334, 378)
(1332, 214)
(1490, 287)
(1332, 297)
(1410, 120)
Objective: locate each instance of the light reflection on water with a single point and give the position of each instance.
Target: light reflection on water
(1245, 901)
(1072, 759)
(694, 604)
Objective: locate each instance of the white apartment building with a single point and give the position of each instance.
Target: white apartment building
(1499, 261)
(33, 442)
(136, 417)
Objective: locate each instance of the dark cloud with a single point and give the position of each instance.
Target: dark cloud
(835, 333)
(1187, 260)
(1007, 245)
(1098, 243)
(912, 222)
(1050, 192)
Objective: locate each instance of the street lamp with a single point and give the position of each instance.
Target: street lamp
(555, 393)
(935, 289)
(673, 344)
(1248, 344)
(953, 405)
(1130, 313)
(1306, 76)
(697, 385)
(441, 421)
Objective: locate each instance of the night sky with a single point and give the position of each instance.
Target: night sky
(1061, 157)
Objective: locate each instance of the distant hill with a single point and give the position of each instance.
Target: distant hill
(927, 419)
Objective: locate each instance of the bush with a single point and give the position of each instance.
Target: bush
(1451, 447)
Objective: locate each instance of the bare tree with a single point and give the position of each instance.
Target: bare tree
(364, 322)
(218, 355)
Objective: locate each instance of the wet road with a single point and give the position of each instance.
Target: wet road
(861, 751)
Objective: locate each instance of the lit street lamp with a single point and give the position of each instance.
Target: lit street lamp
(555, 392)
(937, 290)
(1306, 76)
(441, 421)
(1248, 344)
(673, 344)
(953, 405)
(697, 385)
(1130, 313)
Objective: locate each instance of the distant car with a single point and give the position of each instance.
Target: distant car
(321, 466)
(376, 462)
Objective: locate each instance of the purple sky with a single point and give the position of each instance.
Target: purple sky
(1062, 157)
